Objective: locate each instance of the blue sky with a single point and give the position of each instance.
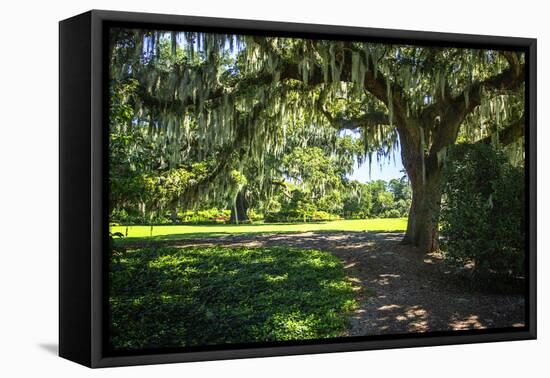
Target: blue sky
(383, 170)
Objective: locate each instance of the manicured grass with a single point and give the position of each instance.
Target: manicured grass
(193, 231)
(180, 297)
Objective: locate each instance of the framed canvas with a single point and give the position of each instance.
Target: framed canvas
(235, 188)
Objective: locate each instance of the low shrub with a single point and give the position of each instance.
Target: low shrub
(290, 216)
(209, 216)
(254, 216)
(392, 213)
(322, 216)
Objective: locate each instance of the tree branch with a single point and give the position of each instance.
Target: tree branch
(340, 122)
(283, 186)
(511, 133)
(466, 101)
(513, 61)
(451, 113)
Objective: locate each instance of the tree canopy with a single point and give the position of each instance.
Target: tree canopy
(221, 112)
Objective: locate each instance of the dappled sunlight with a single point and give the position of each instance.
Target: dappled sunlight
(218, 295)
(467, 322)
(418, 319)
(389, 307)
(276, 278)
(394, 318)
(398, 290)
(386, 279)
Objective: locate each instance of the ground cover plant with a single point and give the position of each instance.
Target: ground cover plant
(180, 297)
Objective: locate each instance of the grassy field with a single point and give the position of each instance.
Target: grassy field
(192, 231)
(179, 297)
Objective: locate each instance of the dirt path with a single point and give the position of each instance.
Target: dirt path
(401, 290)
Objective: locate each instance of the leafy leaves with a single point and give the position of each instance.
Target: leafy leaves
(483, 214)
(200, 296)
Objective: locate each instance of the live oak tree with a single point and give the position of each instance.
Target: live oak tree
(232, 100)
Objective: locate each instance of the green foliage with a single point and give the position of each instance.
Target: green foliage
(143, 198)
(312, 168)
(185, 297)
(357, 200)
(377, 199)
(279, 109)
(164, 191)
(401, 189)
(298, 208)
(392, 213)
(483, 213)
(208, 85)
(383, 202)
(208, 216)
(323, 216)
(116, 249)
(296, 217)
(352, 200)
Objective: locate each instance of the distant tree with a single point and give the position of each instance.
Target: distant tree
(402, 193)
(300, 205)
(357, 200)
(400, 188)
(315, 173)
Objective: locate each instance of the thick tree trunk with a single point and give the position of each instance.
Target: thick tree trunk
(422, 227)
(425, 176)
(239, 209)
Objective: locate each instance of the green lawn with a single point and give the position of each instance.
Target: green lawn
(179, 297)
(188, 231)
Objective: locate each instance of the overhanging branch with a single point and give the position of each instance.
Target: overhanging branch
(370, 119)
(451, 112)
(511, 133)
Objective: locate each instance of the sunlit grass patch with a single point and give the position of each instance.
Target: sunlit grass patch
(174, 232)
(178, 297)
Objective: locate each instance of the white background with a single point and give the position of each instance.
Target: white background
(29, 189)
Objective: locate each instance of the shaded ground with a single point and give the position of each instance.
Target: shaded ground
(213, 295)
(399, 290)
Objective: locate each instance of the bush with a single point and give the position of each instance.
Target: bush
(281, 217)
(392, 213)
(322, 216)
(483, 212)
(254, 216)
(121, 216)
(294, 216)
(208, 216)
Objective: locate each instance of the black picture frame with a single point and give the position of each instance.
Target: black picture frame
(83, 229)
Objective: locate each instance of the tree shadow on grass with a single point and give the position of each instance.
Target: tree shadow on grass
(185, 238)
(177, 297)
